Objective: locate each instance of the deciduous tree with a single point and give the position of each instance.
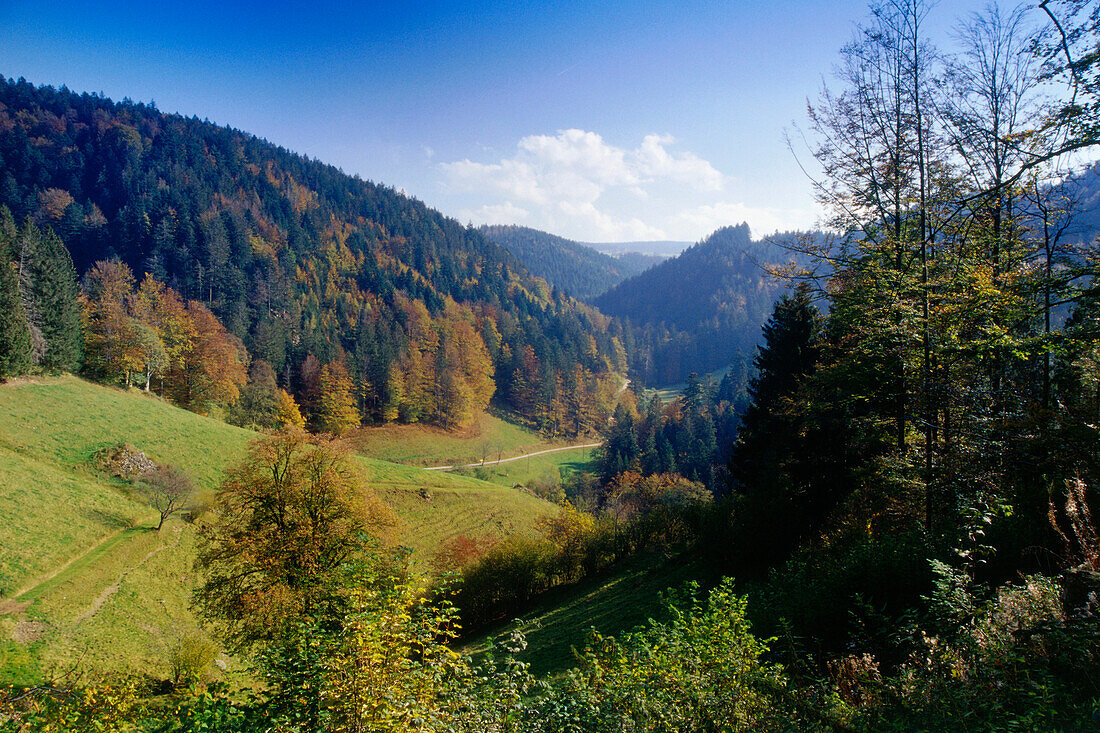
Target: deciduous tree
(287, 517)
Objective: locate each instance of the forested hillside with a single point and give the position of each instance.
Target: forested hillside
(886, 523)
(697, 311)
(575, 268)
(307, 266)
(1080, 197)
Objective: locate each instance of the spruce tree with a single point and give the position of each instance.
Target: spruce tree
(771, 456)
(47, 284)
(15, 340)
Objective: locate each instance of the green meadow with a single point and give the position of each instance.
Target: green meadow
(87, 585)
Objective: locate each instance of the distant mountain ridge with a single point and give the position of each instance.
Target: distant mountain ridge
(700, 310)
(575, 268)
(1084, 189)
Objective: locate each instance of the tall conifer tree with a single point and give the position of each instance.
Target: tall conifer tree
(15, 340)
(47, 284)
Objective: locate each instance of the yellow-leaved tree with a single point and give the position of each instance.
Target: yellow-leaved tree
(336, 409)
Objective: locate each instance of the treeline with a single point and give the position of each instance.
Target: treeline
(700, 310)
(574, 268)
(298, 260)
(923, 415)
(116, 331)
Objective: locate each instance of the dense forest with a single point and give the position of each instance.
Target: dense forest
(697, 311)
(575, 268)
(305, 265)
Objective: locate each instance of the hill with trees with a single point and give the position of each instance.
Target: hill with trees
(574, 268)
(306, 266)
(698, 311)
(658, 248)
(903, 536)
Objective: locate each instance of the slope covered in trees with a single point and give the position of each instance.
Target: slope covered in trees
(575, 268)
(305, 265)
(695, 312)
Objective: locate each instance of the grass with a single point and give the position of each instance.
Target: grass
(612, 603)
(423, 445)
(51, 515)
(65, 420)
(553, 467)
(490, 439)
(98, 590)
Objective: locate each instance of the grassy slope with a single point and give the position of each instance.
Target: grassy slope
(124, 596)
(537, 468)
(423, 445)
(490, 439)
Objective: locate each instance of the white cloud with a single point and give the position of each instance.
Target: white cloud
(506, 213)
(574, 183)
(687, 168)
(603, 226)
(761, 221)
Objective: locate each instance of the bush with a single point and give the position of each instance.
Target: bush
(701, 670)
(190, 658)
(1019, 663)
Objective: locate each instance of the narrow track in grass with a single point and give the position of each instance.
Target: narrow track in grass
(32, 590)
(513, 458)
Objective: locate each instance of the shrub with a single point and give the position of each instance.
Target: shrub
(189, 659)
(700, 670)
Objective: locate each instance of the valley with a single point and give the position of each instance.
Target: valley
(602, 412)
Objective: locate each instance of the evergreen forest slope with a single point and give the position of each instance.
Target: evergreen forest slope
(698, 311)
(573, 267)
(300, 260)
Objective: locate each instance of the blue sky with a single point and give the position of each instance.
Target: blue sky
(597, 121)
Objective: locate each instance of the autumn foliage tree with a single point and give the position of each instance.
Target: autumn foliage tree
(152, 335)
(113, 350)
(287, 413)
(287, 517)
(336, 410)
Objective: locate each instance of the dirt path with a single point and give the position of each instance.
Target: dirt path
(110, 590)
(514, 458)
(47, 577)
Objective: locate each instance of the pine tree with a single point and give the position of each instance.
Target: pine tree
(771, 456)
(15, 341)
(15, 338)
